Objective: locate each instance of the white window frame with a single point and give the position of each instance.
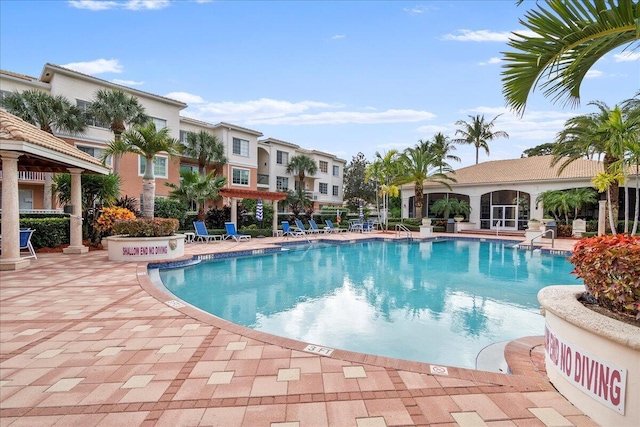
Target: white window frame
(90, 121)
(326, 188)
(336, 170)
(248, 173)
(326, 166)
(157, 175)
(243, 147)
(282, 183)
(101, 150)
(336, 190)
(160, 123)
(183, 136)
(282, 157)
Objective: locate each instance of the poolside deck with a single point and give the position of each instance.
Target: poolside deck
(89, 342)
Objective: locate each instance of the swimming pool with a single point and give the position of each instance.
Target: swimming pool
(440, 302)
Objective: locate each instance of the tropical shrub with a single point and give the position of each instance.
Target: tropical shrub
(50, 232)
(130, 203)
(109, 216)
(141, 227)
(610, 268)
(171, 208)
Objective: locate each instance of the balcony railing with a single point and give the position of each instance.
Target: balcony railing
(28, 176)
(263, 179)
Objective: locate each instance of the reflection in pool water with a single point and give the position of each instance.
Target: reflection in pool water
(438, 302)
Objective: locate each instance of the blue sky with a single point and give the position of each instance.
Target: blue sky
(342, 77)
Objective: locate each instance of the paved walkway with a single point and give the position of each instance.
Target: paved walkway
(89, 342)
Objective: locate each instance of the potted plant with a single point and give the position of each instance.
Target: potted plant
(533, 224)
(108, 217)
(448, 206)
(142, 239)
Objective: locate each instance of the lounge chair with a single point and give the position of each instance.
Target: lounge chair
(25, 242)
(355, 225)
(309, 230)
(331, 228)
(233, 233)
(202, 235)
(367, 227)
(315, 228)
(287, 230)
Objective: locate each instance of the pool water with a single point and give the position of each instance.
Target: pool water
(440, 302)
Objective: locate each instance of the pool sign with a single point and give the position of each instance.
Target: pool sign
(598, 378)
(145, 250)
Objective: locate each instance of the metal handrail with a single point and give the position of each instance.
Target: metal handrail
(553, 233)
(498, 224)
(402, 228)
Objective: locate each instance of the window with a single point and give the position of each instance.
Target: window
(160, 123)
(183, 136)
(160, 166)
(3, 95)
(241, 147)
(324, 166)
(94, 152)
(282, 157)
(192, 168)
(88, 117)
(240, 177)
(336, 190)
(324, 188)
(282, 183)
(336, 171)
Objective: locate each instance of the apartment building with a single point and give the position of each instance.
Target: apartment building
(252, 164)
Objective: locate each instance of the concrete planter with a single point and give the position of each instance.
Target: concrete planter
(533, 226)
(591, 359)
(125, 248)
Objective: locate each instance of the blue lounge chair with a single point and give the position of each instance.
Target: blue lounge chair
(233, 233)
(202, 235)
(300, 225)
(25, 242)
(287, 230)
(315, 228)
(331, 228)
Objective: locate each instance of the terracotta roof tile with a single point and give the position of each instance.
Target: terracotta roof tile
(13, 128)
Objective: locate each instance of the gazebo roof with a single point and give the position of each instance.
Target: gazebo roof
(41, 151)
(252, 194)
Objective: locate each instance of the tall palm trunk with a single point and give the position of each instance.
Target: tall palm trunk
(419, 196)
(637, 207)
(612, 193)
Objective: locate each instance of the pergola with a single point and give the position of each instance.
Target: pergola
(24, 147)
(236, 193)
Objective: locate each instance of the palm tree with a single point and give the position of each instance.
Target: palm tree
(302, 165)
(447, 206)
(603, 181)
(570, 36)
(47, 112)
(298, 201)
(197, 188)
(578, 197)
(384, 171)
(118, 109)
(478, 132)
(205, 147)
(416, 166)
(147, 141)
(441, 147)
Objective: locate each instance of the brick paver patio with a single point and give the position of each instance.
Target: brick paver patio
(89, 342)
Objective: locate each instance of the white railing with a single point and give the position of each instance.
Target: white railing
(401, 228)
(28, 176)
(498, 224)
(553, 233)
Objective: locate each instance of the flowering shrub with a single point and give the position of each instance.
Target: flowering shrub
(109, 216)
(140, 227)
(610, 268)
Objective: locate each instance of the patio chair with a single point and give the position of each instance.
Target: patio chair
(356, 225)
(287, 230)
(367, 227)
(25, 242)
(202, 235)
(331, 228)
(233, 233)
(309, 230)
(315, 228)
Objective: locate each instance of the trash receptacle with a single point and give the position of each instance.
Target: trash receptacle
(551, 225)
(451, 225)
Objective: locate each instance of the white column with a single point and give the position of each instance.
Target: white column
(48, 182)
(75, 223)
(602, 217)
(234, 211)
(274, 221)
(474, 216)
(10, 259)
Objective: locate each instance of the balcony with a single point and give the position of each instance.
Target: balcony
(263, 180)
(29, 176)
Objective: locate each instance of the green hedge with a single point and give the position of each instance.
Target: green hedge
(50, 232)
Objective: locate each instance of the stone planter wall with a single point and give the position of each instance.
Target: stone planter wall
(124, 248)
(591, 359)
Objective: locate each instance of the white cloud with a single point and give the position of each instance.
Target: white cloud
(97, 5)
(127, 82)
(464, 35)
(338, 37)
(344, 117)
(262, 108)
(494, 60)
(418, 9)
(96, 67)
(626, 56)
(185, 97)
(591, 74)
(429, 130)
